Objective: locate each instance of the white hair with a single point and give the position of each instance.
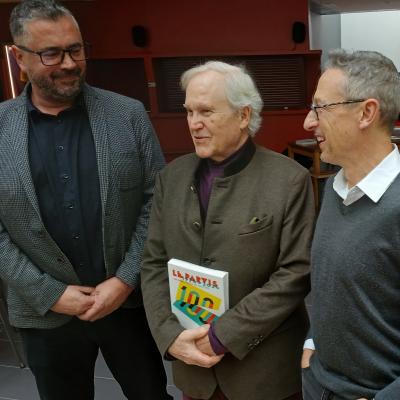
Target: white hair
(240, 88)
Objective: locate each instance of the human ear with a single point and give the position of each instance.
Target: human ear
(369, 113)
(245, 114)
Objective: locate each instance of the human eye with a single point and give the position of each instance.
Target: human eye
(206, 112)
(76, 50)
(51, 53)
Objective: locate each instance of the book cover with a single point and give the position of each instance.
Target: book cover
(199, 295)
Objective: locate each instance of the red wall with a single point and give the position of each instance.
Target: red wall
(206, 27)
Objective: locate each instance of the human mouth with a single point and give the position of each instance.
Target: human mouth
(200, 139)
(320, 139)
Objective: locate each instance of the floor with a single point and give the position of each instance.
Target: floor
(18, 383)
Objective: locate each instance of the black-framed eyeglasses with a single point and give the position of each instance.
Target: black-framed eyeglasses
(55, 55)
(316, 107)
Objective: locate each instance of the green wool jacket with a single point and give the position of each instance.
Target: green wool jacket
(267, 261)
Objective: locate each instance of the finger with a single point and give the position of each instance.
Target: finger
(197, 333)
(86, 289)
(89, 314)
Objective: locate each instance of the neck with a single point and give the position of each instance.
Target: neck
(366, 158)
(49, 106)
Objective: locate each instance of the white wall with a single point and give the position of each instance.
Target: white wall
(378, 31)
(325, 32)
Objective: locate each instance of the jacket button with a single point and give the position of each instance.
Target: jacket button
(60, 259)
(197, 225)
(193, 189)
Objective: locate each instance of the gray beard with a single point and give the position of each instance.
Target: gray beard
(51, 91)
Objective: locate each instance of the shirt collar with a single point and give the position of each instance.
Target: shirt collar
(375, 184)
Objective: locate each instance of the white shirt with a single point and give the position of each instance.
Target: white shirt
(373, 185)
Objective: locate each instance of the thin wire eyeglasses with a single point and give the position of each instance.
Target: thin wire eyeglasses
(56, 55)
(316, 107)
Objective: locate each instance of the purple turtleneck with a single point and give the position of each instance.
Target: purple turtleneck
(208, 170)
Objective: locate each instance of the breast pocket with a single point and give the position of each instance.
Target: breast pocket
(128, 171)
(257, 225)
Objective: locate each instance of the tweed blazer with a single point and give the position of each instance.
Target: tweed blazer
(128, 157)
(268, 265)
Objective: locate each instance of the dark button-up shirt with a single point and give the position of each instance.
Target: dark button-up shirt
(63, 164)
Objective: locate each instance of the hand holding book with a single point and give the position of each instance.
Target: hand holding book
(185, 348)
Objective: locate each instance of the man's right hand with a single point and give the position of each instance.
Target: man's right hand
(75, 300)
(184, 348)
(305, 359)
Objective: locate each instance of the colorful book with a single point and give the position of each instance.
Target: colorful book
(199, 295)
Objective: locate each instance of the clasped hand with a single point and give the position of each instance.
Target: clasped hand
(91, 304)
(193, 347)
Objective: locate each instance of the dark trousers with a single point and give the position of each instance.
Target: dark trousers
(63, 359)
(312, 389)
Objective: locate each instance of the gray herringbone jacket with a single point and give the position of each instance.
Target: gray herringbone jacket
(128, 158)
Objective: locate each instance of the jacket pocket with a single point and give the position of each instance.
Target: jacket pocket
(259, 225)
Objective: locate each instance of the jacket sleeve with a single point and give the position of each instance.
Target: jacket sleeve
(152, 161)
(389, 392)
(267, 308)
(36, 287)
(163, 324)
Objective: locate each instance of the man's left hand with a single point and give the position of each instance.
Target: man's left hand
(204, 346)
(109, 295)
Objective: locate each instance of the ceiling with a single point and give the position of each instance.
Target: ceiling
(346, 6)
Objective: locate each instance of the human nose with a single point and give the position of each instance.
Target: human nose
(195, 122)
(67, 61)
(310, 122)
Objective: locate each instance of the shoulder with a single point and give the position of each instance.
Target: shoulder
(115, 101)
(182, 166)
(11, 111)
(279, 166)
(8, 105)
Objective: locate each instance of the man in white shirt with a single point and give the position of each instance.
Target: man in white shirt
(353, 346)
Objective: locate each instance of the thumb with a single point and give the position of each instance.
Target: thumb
(197, 333)
(86, 289)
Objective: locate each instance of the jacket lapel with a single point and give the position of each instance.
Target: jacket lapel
(98, 123)
(19, 143)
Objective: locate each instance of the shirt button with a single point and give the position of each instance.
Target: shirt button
(60, 148)
(76, 237)
(81, 264)
(70, 206)
(65, 177)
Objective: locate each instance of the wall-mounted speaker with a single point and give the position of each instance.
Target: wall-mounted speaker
(298, 32)
(139, 36)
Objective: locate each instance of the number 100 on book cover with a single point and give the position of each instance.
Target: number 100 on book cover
(199, 295)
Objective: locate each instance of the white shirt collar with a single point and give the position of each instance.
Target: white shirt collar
(374, 185)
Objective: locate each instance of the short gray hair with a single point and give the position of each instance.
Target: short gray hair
(240, 88)
(369, 74)
(29, 10)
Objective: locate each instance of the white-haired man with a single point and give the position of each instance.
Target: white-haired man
(241, 208)
(355, 322)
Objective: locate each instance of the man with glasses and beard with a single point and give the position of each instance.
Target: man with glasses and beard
(77, 168)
